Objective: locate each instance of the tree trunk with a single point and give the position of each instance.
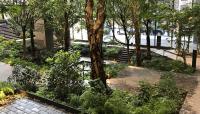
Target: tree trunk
(178, 39)
(136, 22)
(48, 34)
(188, 44)
(127, 42)
(24, 39)
(95, 38)
(137, 42)
(32, 37)
(148, 40)
(67, 32)
(2, 15)
(113, 29)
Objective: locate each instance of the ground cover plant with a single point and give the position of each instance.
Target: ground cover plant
(163, 63)
(166, 64)
(112, 70)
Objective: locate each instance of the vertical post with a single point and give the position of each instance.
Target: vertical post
(194, 58)
(158, 41)
(155, 33)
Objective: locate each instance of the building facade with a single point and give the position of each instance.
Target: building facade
(180, 4)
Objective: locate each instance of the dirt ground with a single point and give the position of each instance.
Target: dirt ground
(129, 78)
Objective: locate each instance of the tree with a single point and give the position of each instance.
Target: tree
(95, 27)
(3, 9)
(21, 15)
(147, 13)
(136, 13)
(122, 16)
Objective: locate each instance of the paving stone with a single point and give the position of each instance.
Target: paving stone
(27, 106)
(43, 112)
(11, 112)
(19, 112)
(35, 110)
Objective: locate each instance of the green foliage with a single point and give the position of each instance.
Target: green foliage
(119, 103)
(93, 102)
(165, 64)
(2, 95)
(84, 49)
(144, 94)
(162, 98)
(64, 77)
(26, 77)
(43, 92)
(164, 106)
(75, 100)
(7, 91)
(9, 48)
(112, 52)
(21, 62)
(113, 69)
(143, 110)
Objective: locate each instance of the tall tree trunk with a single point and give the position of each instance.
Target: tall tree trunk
(127, 42)
(32, 37)
(24, 39)
(148, 40)
(95, 37)
(137, 42)
(188, 44)
(2, 15)
(178, 39)
(48, 34)
(113, 29)
(136, 23)
(67, 32)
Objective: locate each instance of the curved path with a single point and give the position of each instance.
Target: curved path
(5, 71)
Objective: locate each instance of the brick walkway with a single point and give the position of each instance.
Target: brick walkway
(27, 106)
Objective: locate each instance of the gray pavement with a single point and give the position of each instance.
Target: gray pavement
(5, 71)
(27, 106)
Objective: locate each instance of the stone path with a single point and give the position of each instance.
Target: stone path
(5, 71)
(27, 106)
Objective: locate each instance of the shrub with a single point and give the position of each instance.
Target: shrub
(112, 52)
(84, 49)
(164, 106)
(9, 48)
(75, 100)
(119, 103)
(7, 90)
(113, 69)
(144, 94)
(64, 77)
(165, 64)
(143, 110)
(2, 95)
(26, 77)
(167, 87)
(21, 62)
(93, 102)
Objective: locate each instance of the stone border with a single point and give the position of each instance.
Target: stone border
(53, 103)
